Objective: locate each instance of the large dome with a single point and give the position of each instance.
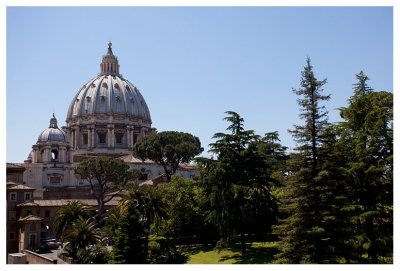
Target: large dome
(108, 115)
(53, 133)
(109, 93)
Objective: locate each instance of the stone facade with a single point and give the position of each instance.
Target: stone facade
(106, 117)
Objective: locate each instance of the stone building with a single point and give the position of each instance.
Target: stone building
(30, 220)
(106, 117)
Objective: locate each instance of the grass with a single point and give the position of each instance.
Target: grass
(257, 253)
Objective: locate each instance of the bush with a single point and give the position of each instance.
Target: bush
(163, 251)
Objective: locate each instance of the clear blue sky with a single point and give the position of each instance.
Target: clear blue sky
(191, 64)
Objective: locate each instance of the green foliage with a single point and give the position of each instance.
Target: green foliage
(187, 211)
(305, 209)
(80, 235)
(258, 253)
(169, 149)
(106, 176)
(237, 185)
(163, 251)
(67, 214)
(97, 254)
(129, 244)
(148, 201)
(111, 219)
(366, 145)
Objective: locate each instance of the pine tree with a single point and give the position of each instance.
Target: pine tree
(301, 231)
(237, 185)
(366, 141)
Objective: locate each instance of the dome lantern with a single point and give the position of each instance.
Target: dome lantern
(53, 122)
(109, 64)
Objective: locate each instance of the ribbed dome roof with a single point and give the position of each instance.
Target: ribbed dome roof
(53, 133)
(109, 93)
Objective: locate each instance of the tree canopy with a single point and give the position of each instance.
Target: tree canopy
(237, 185)
(302, 233)
(366, 146)
(106, 177)
(169, 149)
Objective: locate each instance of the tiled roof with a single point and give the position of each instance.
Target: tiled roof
(10, 183)
(28, 203)
(20, 187)
(15, 165)
(61, 202)
(30, 218)
(131, 159)
(155, 181)
(188, 166)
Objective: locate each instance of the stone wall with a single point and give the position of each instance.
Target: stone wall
(34, 258)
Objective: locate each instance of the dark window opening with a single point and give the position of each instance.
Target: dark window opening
(102, 139)
(27, 196)
(47, 213)
(85, 139)
(12, 236)
(55, 179)
(118, 138)
(13, 196)
(29, 212)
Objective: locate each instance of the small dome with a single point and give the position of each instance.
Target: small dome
(30, 155)
(53, 133)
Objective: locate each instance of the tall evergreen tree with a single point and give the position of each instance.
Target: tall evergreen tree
(237, 184)
(129, 244)
(366, 143)
(301, 232)
(275, 155)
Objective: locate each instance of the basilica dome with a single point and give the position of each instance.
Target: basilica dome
(108, 94)
(53, 133)
(108, 114)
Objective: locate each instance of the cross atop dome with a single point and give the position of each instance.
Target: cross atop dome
(109, 65)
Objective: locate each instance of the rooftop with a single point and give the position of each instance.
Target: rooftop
(61, 202)
(30, 218)
(15, 166)
(20, 187)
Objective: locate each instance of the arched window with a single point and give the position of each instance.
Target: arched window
(54, 155)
